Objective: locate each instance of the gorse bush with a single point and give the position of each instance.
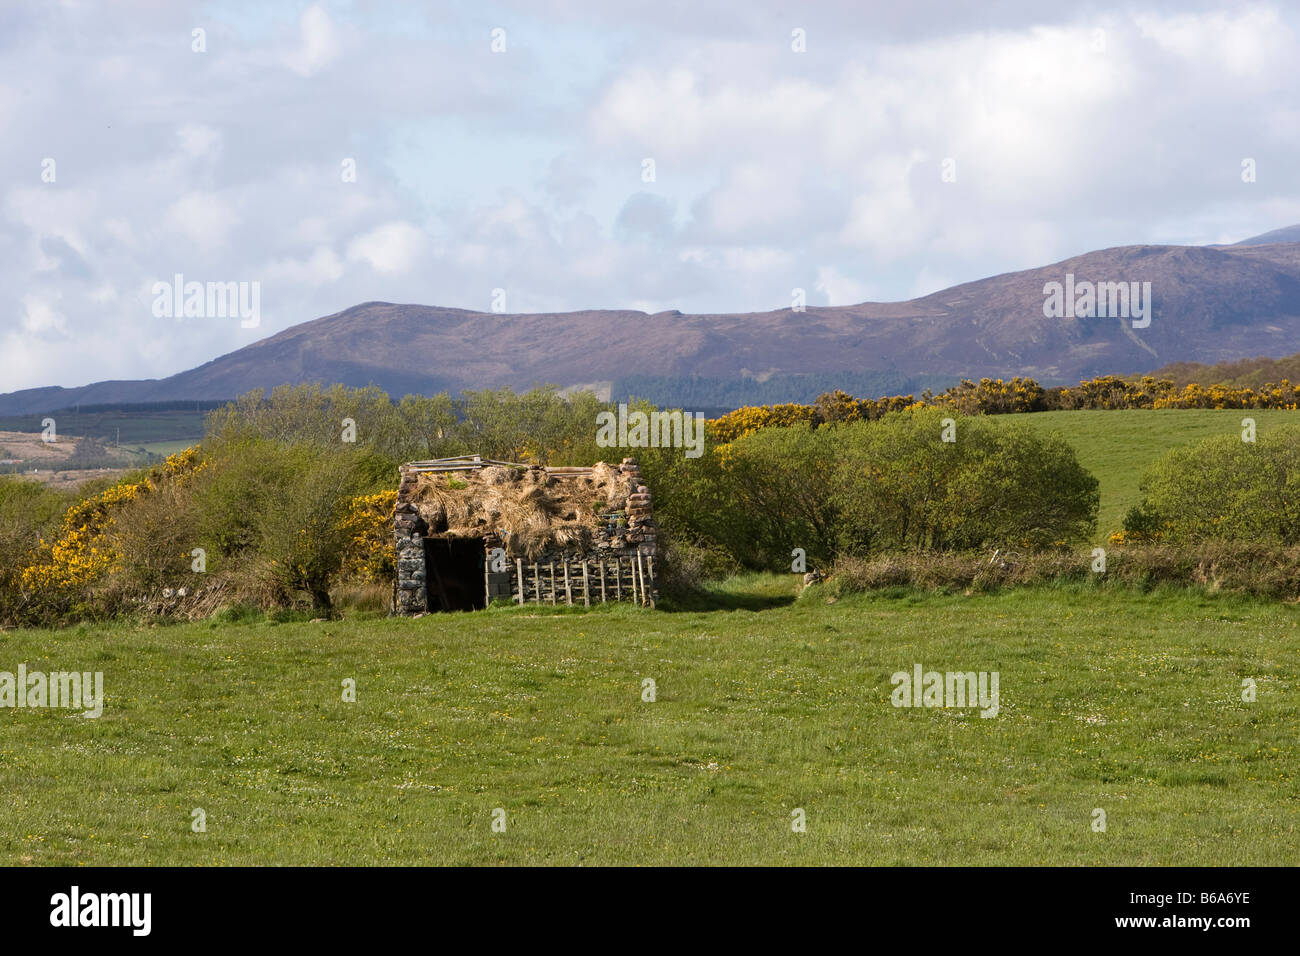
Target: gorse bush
(269, 521)
(152, 536)
(991, 396)
(368, 526)
(59, 577)
(1223, 488)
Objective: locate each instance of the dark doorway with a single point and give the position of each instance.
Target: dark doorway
(454, 573)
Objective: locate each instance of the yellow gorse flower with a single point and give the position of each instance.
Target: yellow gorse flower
(370, 553)
(81, 553)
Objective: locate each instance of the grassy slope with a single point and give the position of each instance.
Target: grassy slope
(1117, 446)
(1120, 701)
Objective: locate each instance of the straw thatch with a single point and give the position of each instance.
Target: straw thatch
(529, 509)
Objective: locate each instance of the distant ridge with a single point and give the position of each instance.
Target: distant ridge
(1286, 234)
(1245, 373)
(1211, 304)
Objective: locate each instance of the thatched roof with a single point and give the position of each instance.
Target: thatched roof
(531, 509)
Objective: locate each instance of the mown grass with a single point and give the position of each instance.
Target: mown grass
(1117, 446)
(1121, 701)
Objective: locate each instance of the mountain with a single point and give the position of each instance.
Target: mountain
(1210, 304)
(1286, 234)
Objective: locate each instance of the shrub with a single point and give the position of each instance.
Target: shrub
(898, 486)
(368, 525)
(30, 513)
(890, 484)
(1243, 568)
(539, 425)
(61, 574)
(279, 512)
(685, 563)
(63, 569)
(777, 496)
(152, 537)
(744, 421)
(1223, 488)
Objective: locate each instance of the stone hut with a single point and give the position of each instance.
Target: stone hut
(471, 531)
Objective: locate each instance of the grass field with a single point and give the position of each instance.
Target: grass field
(1117, 446)
(1115, 700)
(165, 448)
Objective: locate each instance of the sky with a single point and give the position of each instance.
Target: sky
(551, 155)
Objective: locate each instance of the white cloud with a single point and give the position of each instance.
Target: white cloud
(205, 219)
(197, 140)
(318, 42)
(840, 289)
(323, 266)
(40, 317)
(390, 248)
(1251, 42)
